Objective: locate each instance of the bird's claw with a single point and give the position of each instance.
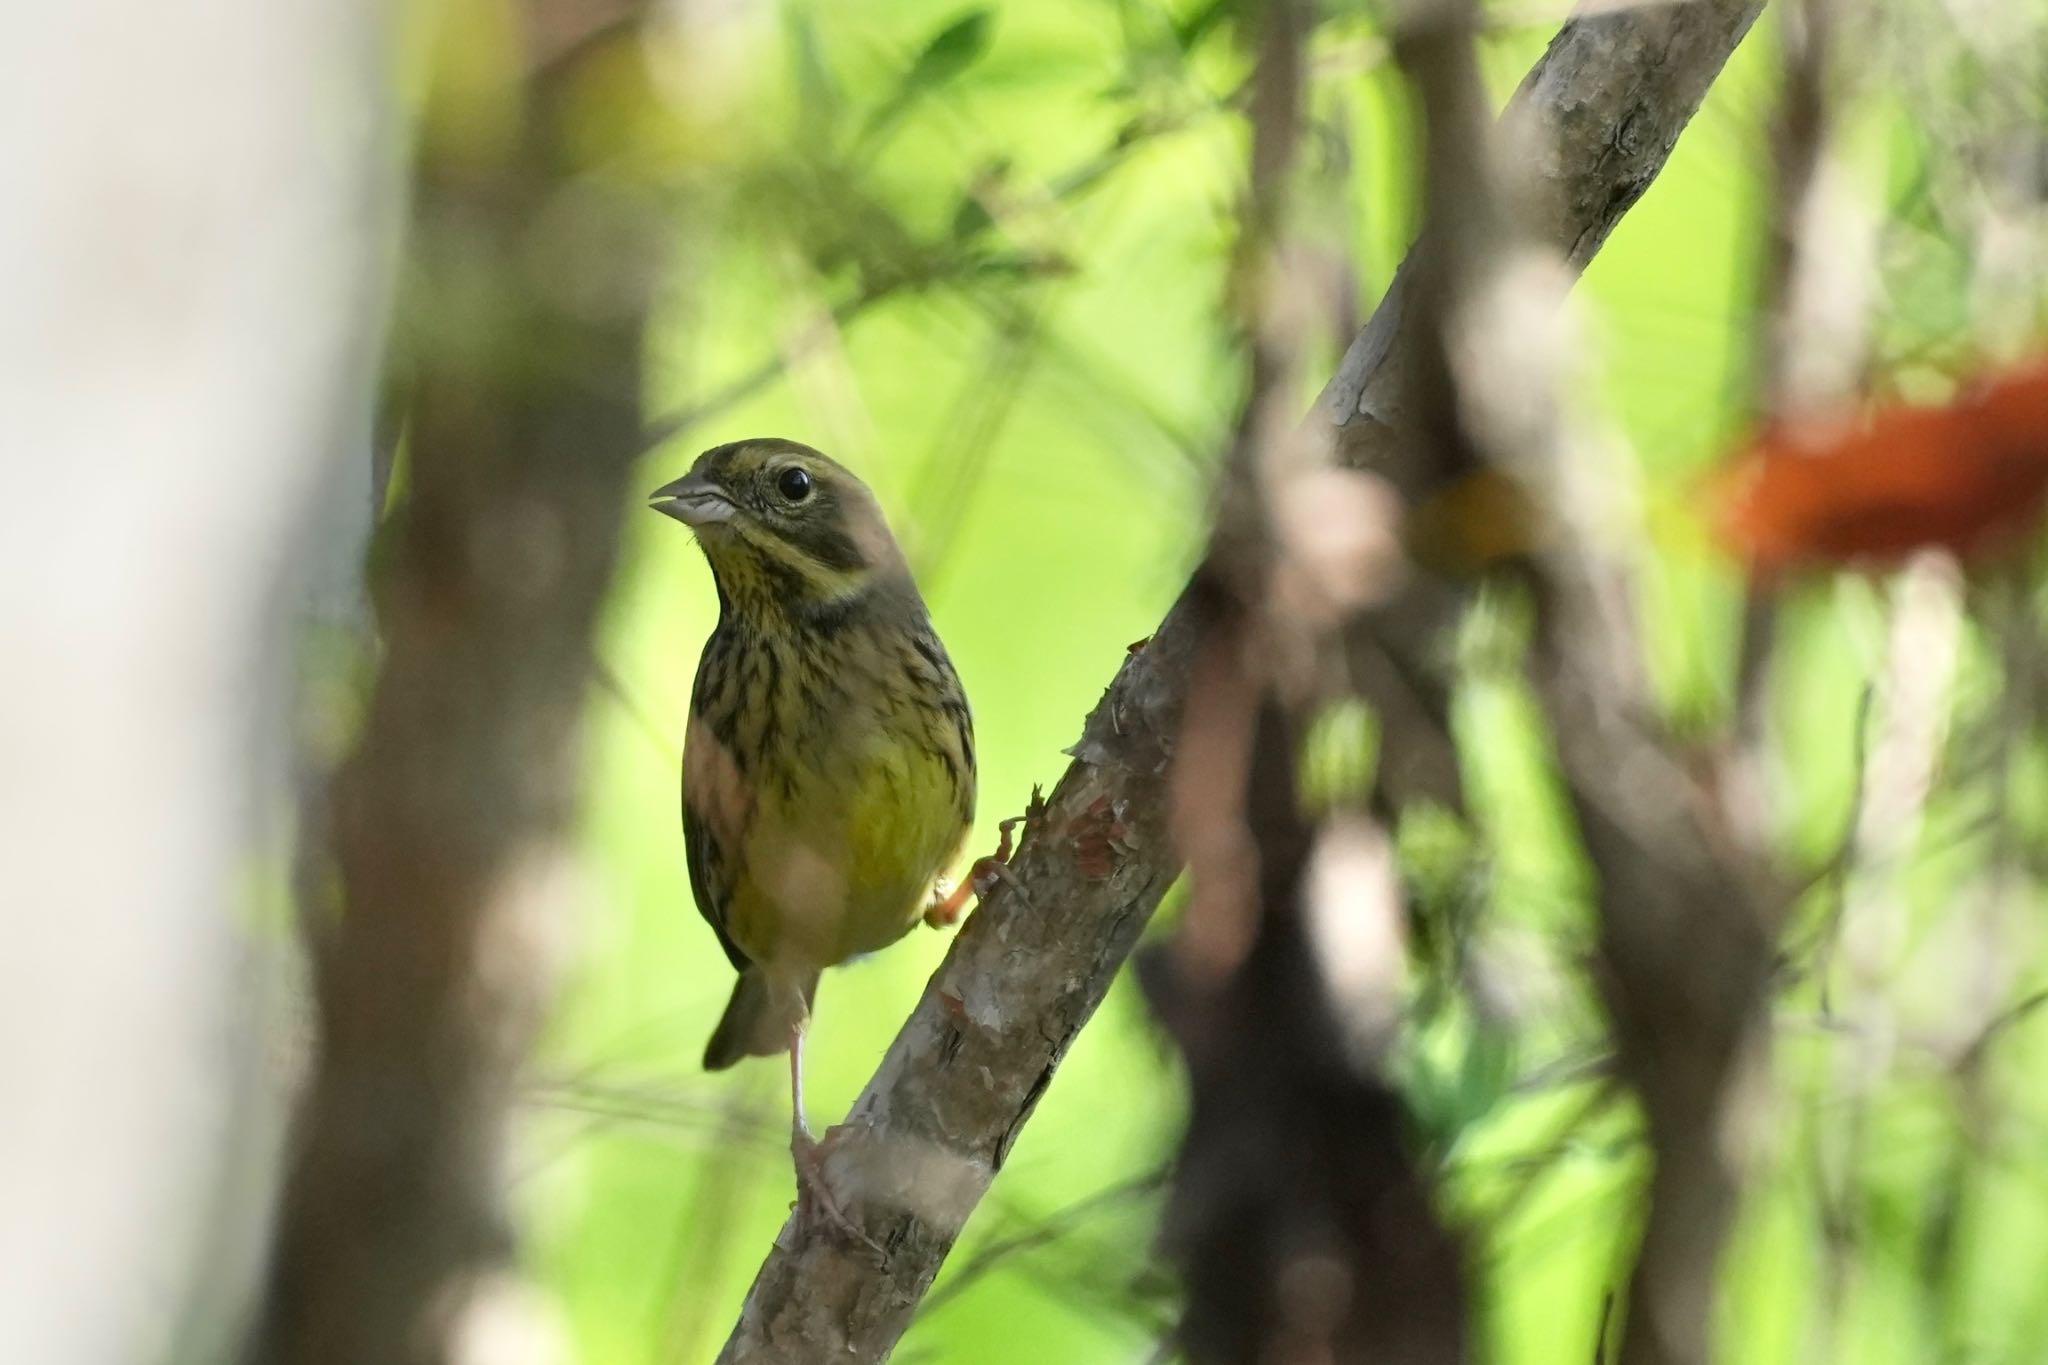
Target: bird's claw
(981, 879)
(816, 1204)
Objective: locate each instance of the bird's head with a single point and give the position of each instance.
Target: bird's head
(788, 530)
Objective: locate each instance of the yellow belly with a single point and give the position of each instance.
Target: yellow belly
(841, 861)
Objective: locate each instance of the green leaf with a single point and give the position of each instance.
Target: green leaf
(1193, 28)
(944, 56)
(970, 218)
(954, 48)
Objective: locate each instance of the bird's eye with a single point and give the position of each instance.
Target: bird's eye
(794, 483)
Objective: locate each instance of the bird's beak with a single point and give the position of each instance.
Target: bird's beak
(693, 500)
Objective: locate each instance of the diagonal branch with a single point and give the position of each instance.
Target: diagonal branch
(1606, 104)
(1597, 118)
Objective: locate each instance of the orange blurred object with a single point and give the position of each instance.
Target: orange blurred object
(1971, 477)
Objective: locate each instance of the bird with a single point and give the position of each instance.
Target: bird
(828, 763)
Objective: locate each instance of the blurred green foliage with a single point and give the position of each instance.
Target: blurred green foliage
(979, 253)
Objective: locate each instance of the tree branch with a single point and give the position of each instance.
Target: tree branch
(1611, 96)
(1597, 118)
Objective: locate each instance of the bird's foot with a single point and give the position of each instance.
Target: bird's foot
(980, 880)
(816, 1203)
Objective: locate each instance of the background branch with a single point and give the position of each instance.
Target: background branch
(1597, 118)
(1684, 933)
(1301, 1220)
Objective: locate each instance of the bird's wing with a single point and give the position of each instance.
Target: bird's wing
(951, 729)
(718, 805)
(708, 884)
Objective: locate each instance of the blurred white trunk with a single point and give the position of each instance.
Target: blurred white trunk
(189, 274)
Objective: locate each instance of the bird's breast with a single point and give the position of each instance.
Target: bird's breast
(859, 795)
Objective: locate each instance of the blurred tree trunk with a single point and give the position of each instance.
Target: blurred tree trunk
(520, 333)
(189, 277)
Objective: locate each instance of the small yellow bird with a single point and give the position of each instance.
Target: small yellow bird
(828, 770)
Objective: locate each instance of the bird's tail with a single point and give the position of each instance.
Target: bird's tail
(759, 1018)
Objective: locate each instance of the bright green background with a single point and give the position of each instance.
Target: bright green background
(1039, 420)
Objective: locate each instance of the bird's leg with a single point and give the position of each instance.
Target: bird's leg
(981, 879)
(814, 1197)
(799, 1128)
(811, 1193)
